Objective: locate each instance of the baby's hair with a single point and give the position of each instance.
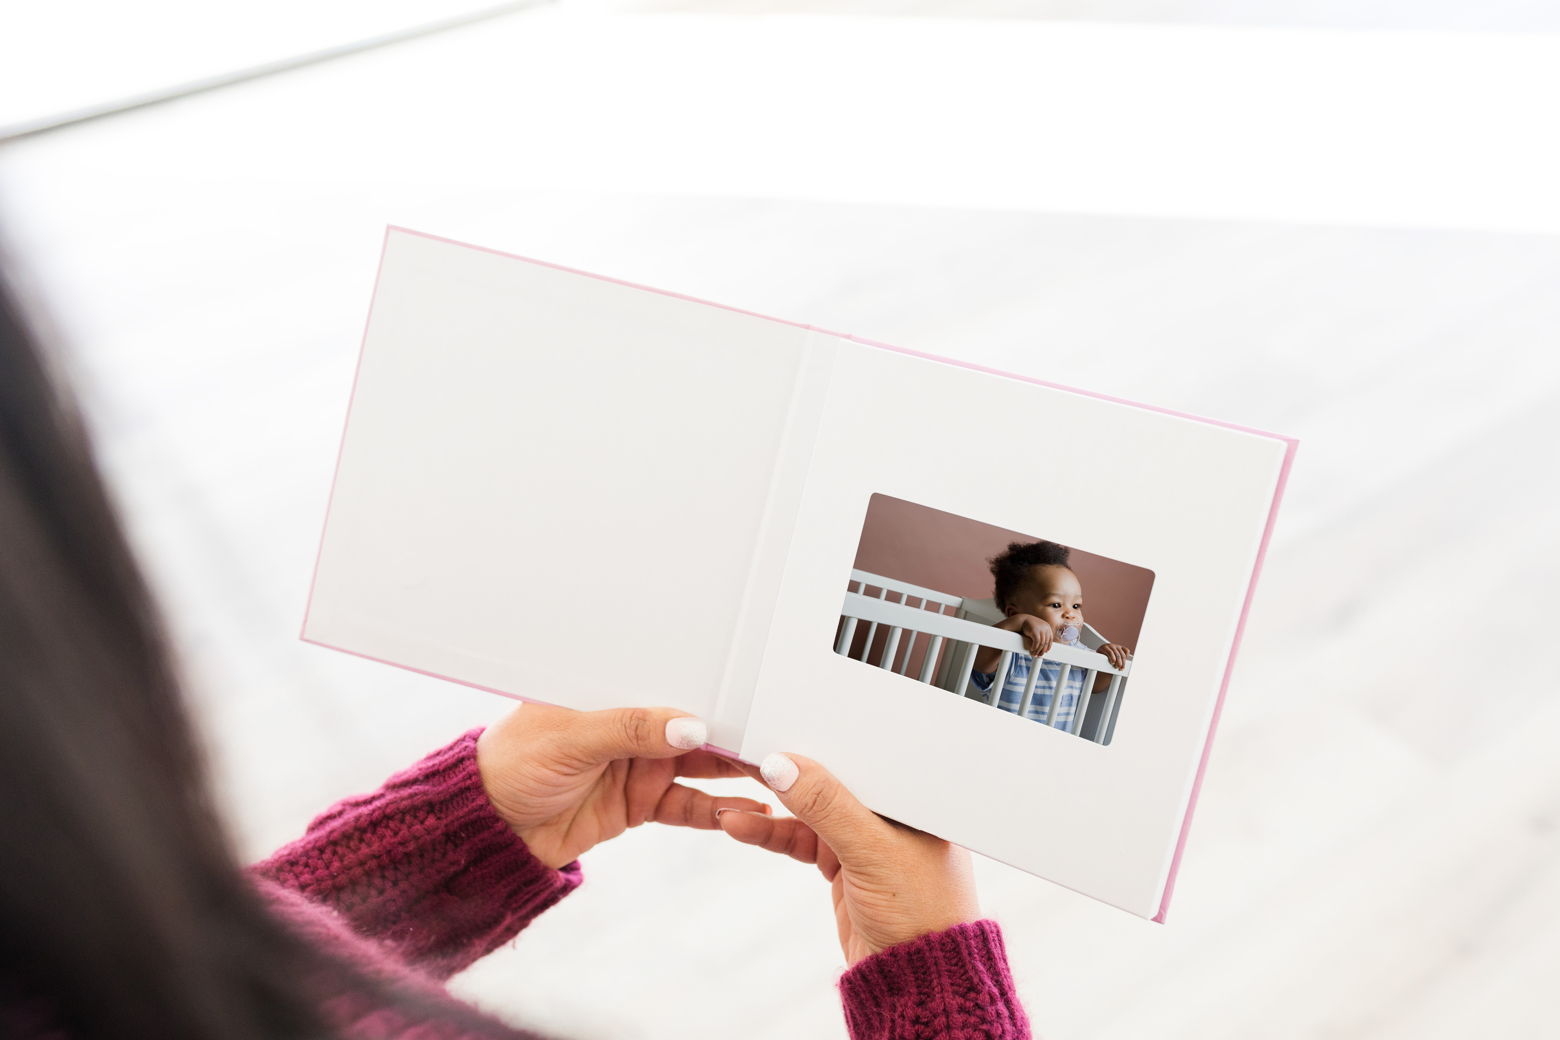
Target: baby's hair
(1011, 568)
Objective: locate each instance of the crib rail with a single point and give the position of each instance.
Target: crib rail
(903, 588)
(963, 639)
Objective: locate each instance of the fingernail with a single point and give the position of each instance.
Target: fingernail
(750, 812)
(687, 733)
(778, 772)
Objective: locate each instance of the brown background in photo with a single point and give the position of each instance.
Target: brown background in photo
(948, 553)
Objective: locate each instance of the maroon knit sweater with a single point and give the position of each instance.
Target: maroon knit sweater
(416, 881)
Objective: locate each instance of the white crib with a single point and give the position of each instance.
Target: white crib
(936, 642)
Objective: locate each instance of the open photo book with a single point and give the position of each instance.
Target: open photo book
(999, 610)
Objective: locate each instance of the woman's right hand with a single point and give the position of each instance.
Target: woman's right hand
(891, 883)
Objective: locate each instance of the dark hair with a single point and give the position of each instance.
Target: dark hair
(123, 911)
(1011, 567)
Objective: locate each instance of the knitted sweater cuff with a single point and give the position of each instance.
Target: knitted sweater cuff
(952, 984)
(424, 865)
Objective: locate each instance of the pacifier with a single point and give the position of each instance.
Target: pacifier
(1070, 635)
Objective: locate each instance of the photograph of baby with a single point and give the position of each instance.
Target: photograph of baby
(995, 616)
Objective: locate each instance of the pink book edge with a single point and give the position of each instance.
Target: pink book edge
(1290, 444)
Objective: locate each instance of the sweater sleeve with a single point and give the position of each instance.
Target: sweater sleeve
(948, 985)
(424, 865)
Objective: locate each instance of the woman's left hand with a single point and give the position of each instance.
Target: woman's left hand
(568, 780)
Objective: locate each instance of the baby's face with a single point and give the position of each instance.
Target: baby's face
(1051, 594)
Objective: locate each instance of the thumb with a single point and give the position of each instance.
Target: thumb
(813, 795)
(602, 736)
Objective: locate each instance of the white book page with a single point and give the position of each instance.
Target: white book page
(1187, 499)
(558, 487)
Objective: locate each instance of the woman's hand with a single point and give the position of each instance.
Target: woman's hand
(892, 883)
(567, 780)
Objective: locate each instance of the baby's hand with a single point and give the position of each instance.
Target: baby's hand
(1037, 635)
(1117, 653)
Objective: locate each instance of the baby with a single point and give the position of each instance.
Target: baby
(1043, 601)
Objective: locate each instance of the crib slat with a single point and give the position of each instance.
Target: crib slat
(931, 659)
(904, 665)
(890, 649)
(965, 660)
(866, 650)
(842, 645)
(1029, 689)
(1079, 709)
(994, 695)
(1108, 716)
(1056, 695)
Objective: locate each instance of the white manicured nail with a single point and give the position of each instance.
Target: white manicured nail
(778, 772)
(687, 733)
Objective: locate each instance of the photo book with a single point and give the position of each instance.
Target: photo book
(1000, 610)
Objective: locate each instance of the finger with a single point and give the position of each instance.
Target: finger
(688, 807)
(706, 765)
(786, 835)
(595, 737)
(828, 862)
(814, 796)
(748, 769)
(738, 767)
